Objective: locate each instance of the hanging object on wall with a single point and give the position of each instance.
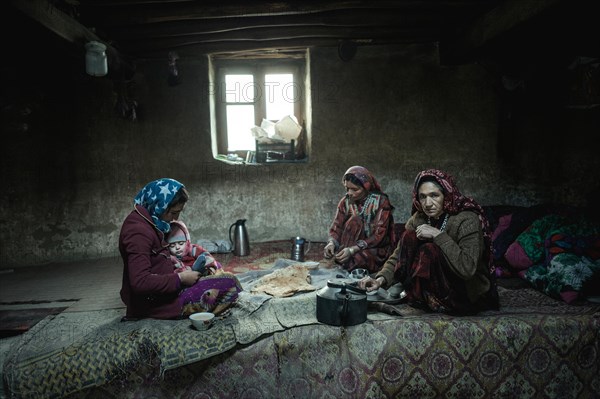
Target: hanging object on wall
(95, 59)
(583, 83)
(126, 105)
(347, 50)
(173, 78)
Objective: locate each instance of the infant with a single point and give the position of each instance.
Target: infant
(186, 255)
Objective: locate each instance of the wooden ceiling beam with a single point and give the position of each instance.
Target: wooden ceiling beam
(276, 33)
(133, 13)
(56, 20)
(191, 49)
(70, 30)
(347, 19)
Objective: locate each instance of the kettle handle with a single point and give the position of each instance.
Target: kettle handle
(231, 227)
(349, 287)
(343, 311)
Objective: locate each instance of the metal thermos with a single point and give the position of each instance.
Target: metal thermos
(239, 240)
(298, 249)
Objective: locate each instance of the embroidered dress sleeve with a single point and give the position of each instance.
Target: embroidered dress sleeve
(381, 226)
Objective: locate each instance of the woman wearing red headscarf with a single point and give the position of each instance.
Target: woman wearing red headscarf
(362, 232)
(443, 259)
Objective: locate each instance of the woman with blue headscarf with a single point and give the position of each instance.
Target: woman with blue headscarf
(150, 288)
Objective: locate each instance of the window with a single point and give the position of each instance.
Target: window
(249, 93)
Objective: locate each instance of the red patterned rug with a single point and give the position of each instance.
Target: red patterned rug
(15, 322)
(263, 255)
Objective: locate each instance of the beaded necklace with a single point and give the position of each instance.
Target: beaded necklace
(443, 223)
(367, 211)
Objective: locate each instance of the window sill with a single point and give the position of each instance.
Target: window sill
(224, 159)
(273, 161)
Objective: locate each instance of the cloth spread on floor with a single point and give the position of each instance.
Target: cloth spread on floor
(71, 352)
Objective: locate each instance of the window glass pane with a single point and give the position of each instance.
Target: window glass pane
(240, 119)
(280, 95)
(239, 88)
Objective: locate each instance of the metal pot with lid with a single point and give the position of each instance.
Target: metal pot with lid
(341, 304)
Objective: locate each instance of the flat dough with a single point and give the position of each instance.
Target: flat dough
(284, 282)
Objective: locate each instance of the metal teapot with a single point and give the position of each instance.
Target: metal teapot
(239, 240)
(340, 304)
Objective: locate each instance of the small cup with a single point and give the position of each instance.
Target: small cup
(395, 290)
(358, 274)
(202, 320)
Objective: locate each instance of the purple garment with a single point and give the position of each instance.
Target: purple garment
(212, 293)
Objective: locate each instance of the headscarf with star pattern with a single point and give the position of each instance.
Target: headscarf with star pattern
(156, 197)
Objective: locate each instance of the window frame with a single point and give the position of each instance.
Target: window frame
(258, 67)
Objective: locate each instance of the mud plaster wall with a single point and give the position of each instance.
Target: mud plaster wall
(73, 165)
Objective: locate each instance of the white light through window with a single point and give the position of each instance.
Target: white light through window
(240, 119)
(280, 95)
(243, 95)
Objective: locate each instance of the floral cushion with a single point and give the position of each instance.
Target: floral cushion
(565, 276)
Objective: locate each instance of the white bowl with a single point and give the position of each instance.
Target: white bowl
(202, 320)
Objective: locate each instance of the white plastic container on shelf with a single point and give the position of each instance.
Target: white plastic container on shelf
(95, 59)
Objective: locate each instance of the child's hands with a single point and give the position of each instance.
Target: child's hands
(200, 264)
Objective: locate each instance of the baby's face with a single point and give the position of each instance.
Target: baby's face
(177, 248)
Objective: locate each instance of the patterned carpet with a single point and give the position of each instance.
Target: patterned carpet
(533, 347)
(263, 255)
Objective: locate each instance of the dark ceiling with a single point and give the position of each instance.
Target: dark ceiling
(137, 29)
(150, 28)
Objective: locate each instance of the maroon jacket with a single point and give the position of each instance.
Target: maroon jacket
(150, 288)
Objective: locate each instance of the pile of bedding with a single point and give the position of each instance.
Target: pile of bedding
(556, 249)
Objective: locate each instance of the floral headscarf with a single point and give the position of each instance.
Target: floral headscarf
(364, 176)
(156, 197)
(454, 202)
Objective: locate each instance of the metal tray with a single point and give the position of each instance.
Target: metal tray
(384, 297)
(382, 294)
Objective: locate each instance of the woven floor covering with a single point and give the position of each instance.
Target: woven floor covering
(263, 255)
(265, 347)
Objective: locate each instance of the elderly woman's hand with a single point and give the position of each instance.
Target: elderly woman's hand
(426, 232)
(370, 284)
